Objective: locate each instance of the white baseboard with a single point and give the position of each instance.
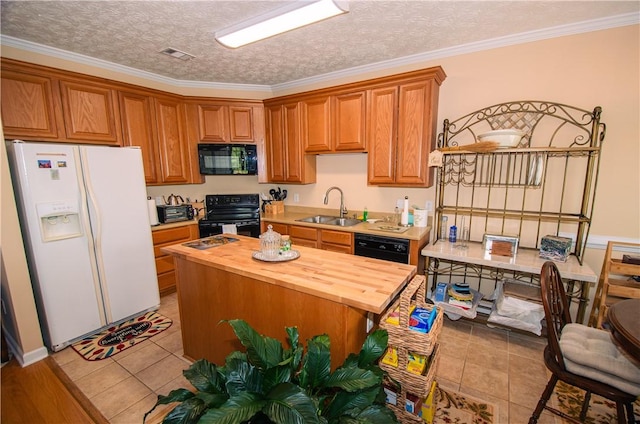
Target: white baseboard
(23, 358)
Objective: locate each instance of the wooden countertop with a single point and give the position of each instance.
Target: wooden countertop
(359, 282)
(292, 214)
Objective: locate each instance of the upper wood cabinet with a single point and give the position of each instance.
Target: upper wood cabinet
(316, 124)
(334, 124)
(223, 123)
(39, 103)
(349, 122)
(170, 114)
(287, 162)
(158, 125)
(402, 132)
(90, 112)
(393, 118)
(382, 134)
(138, 129)
(30, 105)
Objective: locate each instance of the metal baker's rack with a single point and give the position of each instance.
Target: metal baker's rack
(543, 186)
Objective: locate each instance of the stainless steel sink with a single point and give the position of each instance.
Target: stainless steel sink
(318, 219)
(344, 222)
(330, 220)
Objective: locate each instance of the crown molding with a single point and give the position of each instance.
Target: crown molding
(29, 46)
(493, 43)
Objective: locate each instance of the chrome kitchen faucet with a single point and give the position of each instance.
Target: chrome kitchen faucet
(343, 210)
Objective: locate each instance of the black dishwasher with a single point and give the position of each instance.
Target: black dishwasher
(380, 247)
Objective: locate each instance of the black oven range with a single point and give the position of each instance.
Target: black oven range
(240, 212)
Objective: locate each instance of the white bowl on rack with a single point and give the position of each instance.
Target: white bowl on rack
(504, 138)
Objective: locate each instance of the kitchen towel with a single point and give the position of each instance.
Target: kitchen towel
(153, 212)
(229, 229)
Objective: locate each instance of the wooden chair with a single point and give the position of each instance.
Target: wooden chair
(556, 309)
(615, 283)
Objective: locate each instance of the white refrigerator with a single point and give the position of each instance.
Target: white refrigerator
(85, 223)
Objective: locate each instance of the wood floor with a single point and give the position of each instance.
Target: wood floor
(42, 393)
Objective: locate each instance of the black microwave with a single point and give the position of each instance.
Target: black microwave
(228, 159)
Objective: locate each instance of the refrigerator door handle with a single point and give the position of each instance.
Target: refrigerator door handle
(87, 198)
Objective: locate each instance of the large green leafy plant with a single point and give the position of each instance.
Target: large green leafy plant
(272, 384)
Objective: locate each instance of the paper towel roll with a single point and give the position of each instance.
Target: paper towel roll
(153, 212)
(404, 219)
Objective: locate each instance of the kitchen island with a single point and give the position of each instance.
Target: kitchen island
(319, 292)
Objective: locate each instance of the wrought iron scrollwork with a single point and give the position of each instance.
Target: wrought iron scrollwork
(529, 116)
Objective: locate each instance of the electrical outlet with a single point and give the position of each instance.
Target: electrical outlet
(428, 205)
(296, 198)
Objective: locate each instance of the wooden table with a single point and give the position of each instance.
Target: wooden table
(624, 320)
(320, 292)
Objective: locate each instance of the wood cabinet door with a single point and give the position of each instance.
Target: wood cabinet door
(303, 236)
(275, 226)
(316, 125)
(213, 123)
(172, 141)
(241, 124)
(90, 112)
(382, 112)
(287, 162)
(276, 153)
(299, 167)
(336, 241)
(165, 268)
(138, 129)
(413, 133)
(349, 117)
(29, 106)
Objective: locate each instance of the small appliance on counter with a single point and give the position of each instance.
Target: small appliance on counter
(174, 213)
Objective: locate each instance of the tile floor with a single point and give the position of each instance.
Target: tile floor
(126, 386)
(500, 366)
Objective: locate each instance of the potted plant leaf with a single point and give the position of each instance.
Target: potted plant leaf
(272, 384)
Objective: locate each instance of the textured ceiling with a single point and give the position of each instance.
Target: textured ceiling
(131, 33)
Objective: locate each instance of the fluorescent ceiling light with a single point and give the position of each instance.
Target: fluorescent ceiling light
(280, 20)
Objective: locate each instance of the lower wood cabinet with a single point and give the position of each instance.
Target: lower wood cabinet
(319, 238)
(165, 267)
(303, 236)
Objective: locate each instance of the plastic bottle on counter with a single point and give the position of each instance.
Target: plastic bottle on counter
(444, 230)
(364, 214)
(453, 234)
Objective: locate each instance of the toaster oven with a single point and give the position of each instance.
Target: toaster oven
(174, 213)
